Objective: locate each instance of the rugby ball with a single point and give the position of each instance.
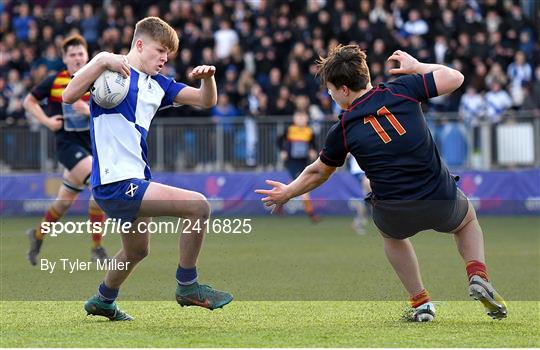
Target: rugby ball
(110, 89)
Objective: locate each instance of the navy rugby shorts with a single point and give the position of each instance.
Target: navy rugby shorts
(122, 199)
(401, 219)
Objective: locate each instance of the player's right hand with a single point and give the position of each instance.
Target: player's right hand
(276, 197)
(55, 122)
(117, 63)
(202, 72)
(407, 63)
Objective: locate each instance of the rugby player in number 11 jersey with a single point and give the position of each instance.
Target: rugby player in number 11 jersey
(384, 128)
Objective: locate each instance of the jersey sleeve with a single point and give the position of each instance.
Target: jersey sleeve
(417, 86)
(171, 88)
(171, 92)
(43, 89)
(334, 151)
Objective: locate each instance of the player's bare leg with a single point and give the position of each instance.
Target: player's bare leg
(194, 209)
(402, 257)
(469, 238)
(65, 198)
(73, 184)
(68, 192)
(79, 176)
(135, 247)
(470, 243)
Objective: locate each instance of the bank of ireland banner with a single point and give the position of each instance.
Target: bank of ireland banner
(492, 192)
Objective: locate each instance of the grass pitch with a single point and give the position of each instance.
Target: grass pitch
(296, 285)
(266, 324)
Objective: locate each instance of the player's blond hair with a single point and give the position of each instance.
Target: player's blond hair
(157, 29)
(345, 65)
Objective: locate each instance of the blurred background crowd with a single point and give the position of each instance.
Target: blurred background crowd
(265, 51)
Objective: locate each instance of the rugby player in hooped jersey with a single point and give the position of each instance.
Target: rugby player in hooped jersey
(121, 174)
(383, 127)
(71, 125)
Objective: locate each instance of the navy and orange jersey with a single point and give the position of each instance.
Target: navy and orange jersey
(385, 130)
(51, 89)
(297, 142)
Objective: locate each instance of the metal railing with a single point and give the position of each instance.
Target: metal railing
(203, 145)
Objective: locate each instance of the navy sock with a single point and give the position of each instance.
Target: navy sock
(106, 294)
(186, 276)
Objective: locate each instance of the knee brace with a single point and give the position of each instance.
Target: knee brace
(72, 188)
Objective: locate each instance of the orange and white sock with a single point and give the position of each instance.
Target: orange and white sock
(475, 267)
(51, 215)
(96, 215)
(419, 299)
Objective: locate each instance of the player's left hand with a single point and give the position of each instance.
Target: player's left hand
(407, 63)
(276, 197)
(202, 72)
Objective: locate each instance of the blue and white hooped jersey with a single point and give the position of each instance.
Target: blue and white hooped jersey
(119, 134)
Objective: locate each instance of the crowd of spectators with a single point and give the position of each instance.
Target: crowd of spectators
(265, 51)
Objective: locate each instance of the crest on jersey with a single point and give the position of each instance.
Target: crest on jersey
(132, 189)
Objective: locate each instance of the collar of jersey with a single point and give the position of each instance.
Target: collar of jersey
(359, 100)
(143, 75)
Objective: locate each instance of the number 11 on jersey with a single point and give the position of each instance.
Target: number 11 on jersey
(379, 129)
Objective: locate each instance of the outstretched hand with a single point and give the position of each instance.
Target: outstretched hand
(276, 197)
(407, 63)
(202, 72)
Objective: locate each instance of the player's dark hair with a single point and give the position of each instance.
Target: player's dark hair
(73, 40)
(345, 65)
